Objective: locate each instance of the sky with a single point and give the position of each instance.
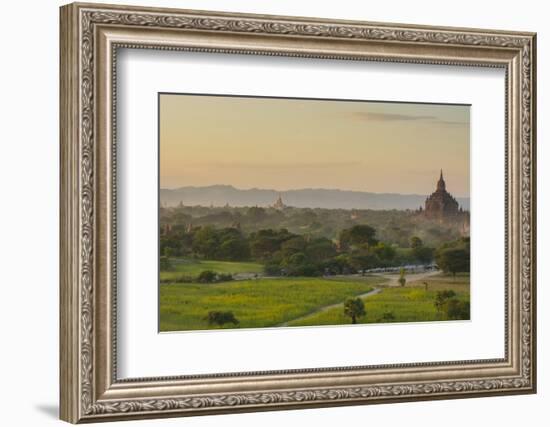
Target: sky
(285, 144)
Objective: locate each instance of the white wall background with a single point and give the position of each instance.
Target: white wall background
(29, 171)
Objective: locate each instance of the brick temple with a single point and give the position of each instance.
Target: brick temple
(441, 205)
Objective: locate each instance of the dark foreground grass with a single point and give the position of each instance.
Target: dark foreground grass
(412, 303)
(255, 303)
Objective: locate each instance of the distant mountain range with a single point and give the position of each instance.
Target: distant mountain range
(220, 195)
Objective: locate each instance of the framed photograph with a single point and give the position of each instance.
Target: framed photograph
(265, 212)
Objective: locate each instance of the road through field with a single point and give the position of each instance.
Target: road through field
(330, 307)
(393, 281)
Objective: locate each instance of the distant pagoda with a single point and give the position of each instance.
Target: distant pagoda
(279, 205)
(441, 205)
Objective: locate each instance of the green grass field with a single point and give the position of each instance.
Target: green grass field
(268, 302)
(192, 268)
(255, 303)
(411, 303)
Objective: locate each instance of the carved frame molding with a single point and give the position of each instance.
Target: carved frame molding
(90, 36)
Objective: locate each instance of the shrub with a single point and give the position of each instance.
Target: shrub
(165, 264)
(441, 299)
(307, 270)
(402, 280)
(224, 278)
(272, 269)
(206, 276)
(457, 310)
(387, 317)
(220, 318)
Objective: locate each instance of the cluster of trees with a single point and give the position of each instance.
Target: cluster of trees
(292, 254)
(362, 250)
(286, 253)
(296, 255)
(226, 244)
(395, 227)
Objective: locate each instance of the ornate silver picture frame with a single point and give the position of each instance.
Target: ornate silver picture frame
(91, 390)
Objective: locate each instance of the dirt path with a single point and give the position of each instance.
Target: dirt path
(393, 281)
(330, 307)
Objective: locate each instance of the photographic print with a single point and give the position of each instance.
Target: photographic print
(286, 212)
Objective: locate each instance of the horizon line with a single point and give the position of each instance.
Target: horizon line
(304, 188)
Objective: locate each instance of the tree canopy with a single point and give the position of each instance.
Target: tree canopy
(357, 235)
(454, 257)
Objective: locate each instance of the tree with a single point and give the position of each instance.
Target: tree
(384, 251)
(358, 235)
(234, 249)
(264, 243)
(298, 265)
(423, 254)
(220, 318)
(293, 245)
(402, 280)
(205, 242)
(295, 260)
(360, 262)
(340, 264)
(416, 242)
(354, 308)
(272, 268)
(320, 250)
(453, 260)
(454, 257)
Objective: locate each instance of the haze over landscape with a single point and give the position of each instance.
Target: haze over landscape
(221, 195)
(294, 145)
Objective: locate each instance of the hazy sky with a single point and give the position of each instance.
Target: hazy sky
(287, 144)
